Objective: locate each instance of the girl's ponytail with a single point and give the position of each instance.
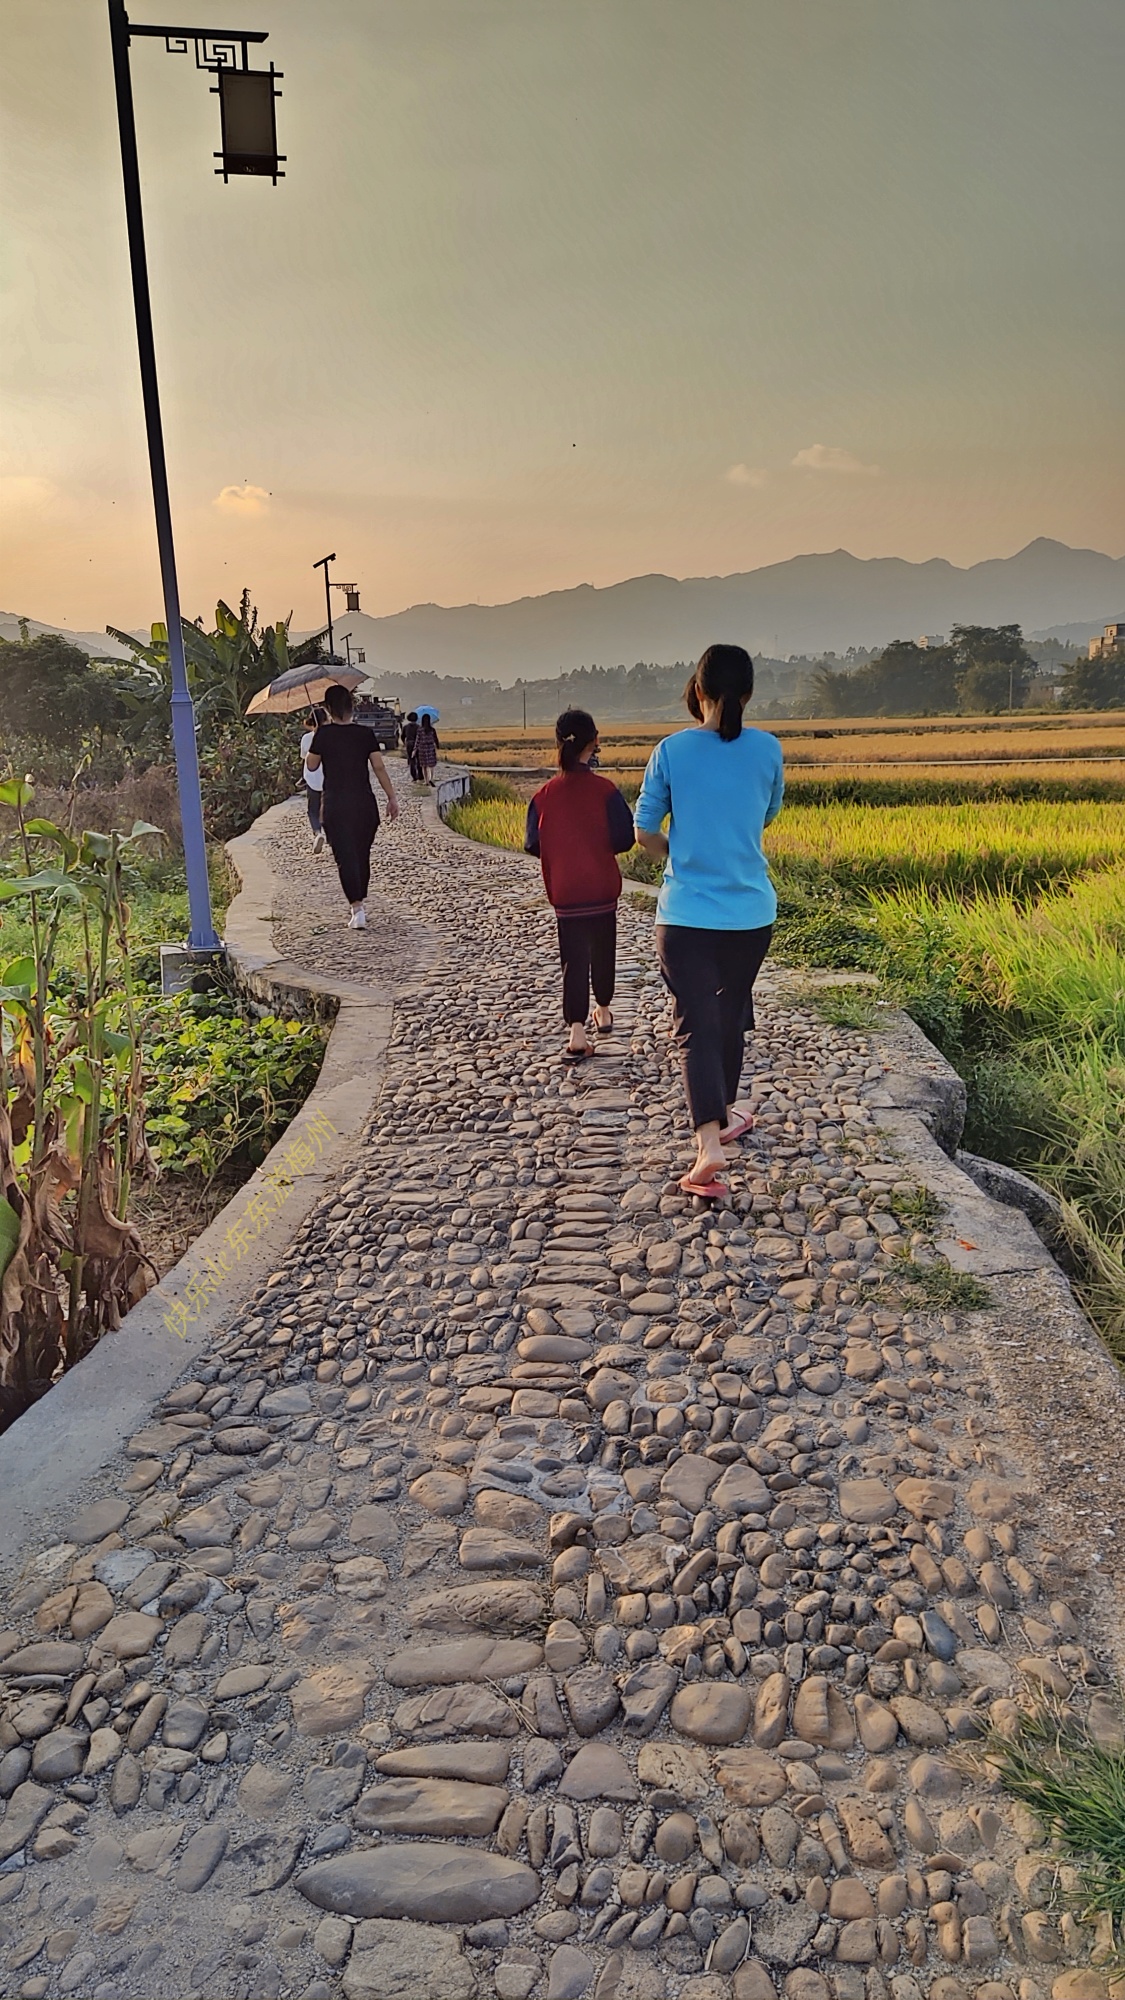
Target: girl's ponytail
(574, 732)
(725, 675)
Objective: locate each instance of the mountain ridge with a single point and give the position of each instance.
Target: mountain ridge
(807, 605)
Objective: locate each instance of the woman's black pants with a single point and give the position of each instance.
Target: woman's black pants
(588, 950)
(350, 831)
(314, 797)
(710, 975)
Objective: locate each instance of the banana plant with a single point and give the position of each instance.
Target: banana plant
(224, 667)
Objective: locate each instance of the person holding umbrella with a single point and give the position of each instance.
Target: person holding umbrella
(350, 813)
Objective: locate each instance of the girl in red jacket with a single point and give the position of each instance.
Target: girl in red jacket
(576, 824)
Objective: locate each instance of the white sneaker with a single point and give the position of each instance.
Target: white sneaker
(358, 920)
(318, 844)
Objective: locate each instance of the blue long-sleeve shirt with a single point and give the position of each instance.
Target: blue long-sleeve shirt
(720, 798)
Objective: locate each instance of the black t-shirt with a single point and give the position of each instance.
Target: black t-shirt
(344, 749)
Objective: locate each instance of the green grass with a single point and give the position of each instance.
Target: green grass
(1077, 1791)
(158, 913)
(939, 1287)
(842, 1006)
(920, 1208)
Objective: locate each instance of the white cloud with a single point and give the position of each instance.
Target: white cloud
(746, 475)
(242, 499)
(830, 458)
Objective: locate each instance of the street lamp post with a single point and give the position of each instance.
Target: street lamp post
(246, 100)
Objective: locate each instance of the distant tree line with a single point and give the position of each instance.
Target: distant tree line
(1096, 683)
(981, 670)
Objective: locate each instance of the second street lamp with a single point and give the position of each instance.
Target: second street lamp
(249, 146)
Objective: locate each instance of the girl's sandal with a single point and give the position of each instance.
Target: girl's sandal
(574, 1056)
(608, 1029)
(737, 1129)
(705, 1190)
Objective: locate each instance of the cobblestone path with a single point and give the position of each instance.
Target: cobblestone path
(548, 1588)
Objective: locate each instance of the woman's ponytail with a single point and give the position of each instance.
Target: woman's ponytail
(730, 718)
(574, 732)
(725, 675)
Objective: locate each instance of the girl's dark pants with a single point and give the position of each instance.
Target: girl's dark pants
(588, 950)
(314, 803)
(710, 975)
(351, 827)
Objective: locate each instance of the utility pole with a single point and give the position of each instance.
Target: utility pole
(323, 564)
(525, 711)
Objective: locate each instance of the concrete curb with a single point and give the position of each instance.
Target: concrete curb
(54, 1453)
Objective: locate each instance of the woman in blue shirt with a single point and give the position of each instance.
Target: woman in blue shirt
(719, 786)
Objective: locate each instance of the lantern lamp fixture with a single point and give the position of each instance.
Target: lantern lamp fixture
(247, 97)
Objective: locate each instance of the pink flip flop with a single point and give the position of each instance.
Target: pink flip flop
(743, 1124)
(706, 1190)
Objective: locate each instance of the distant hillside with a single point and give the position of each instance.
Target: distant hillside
(96, 644)
(808, 606)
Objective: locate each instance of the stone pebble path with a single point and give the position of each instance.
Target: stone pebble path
(547, 1587)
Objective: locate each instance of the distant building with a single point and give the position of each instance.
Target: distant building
(928, 639)
(1112, 637)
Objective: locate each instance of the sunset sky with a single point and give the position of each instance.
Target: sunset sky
(562, 291)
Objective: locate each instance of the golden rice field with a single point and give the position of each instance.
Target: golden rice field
(1015, 846)
(981, 747)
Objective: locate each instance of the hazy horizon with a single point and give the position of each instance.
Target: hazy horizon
(559, 297)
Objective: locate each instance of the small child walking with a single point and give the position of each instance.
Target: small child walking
(577, 824)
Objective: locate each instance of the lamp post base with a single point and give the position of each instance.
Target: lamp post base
(179, 964)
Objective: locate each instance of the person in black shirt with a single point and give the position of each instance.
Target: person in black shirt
(409, 740)
(350, 814)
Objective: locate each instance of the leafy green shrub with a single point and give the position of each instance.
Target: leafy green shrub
(830, 935)
(244, 768)
(222, 1087)
(1009, 1112)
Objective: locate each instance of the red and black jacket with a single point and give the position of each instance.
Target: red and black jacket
(576, 824)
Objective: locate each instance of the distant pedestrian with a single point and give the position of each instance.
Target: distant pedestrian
(314, 783)
(426, 748)
(342, 748)
(719, 786)
(577, 824)
(409, 743)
